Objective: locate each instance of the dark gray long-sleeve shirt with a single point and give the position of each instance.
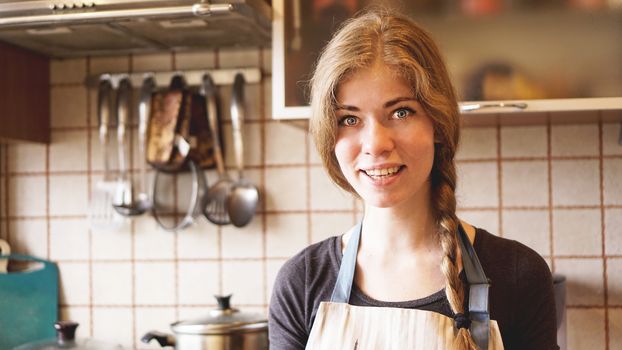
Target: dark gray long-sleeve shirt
(521, 293)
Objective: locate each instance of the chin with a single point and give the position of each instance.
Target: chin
(379, 201)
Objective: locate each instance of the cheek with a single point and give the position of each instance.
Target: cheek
(343, 152)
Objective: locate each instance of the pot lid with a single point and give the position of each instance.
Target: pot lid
(223, 320)
(65, 339)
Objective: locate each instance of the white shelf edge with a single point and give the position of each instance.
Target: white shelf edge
(533, 106)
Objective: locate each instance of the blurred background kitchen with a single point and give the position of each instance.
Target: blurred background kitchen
(546, 173)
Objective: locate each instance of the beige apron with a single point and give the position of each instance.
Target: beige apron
(339, 325)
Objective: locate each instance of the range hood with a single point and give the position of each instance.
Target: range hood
(70, 28)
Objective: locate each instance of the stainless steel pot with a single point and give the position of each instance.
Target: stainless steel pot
(66, 340)
(224, 328)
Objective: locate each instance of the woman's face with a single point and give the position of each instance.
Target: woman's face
(385, 140)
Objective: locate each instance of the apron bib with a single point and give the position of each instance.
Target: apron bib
(339, 325)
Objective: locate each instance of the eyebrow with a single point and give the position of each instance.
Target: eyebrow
(386, 104)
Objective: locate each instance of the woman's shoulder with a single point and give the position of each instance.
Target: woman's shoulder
(314, 259)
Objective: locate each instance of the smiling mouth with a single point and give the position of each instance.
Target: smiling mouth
(383, 173)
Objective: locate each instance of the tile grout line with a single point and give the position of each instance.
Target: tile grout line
(262, 184)
(132, 226)
(602, 228)
(89, 191)
(308, 210)
(549, 180)
(345, 211)
(219, 252)
(275, 258)
(295, 165)
(499, 181)
(5, 155)
(175, 234)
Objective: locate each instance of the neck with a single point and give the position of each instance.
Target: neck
(408, 227)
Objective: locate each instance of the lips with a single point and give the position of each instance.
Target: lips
(382, 172)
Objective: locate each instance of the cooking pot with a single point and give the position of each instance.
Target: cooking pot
(224, 328)
(65, 339)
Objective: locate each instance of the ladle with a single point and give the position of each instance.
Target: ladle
(215, 209)
(142, 202)
(244, 196)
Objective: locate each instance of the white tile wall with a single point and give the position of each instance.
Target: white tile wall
(155, 283)
(68, 194)
(586, 329)
(29, 237)
(613, 235)
(326, 195)
(245, 280)
(513, 141)
(138, 277)
(288, 234)
(75, 283)
(68, 106)
(525, 177)
(575, 182)
(66, 71)
(198, 282)
(486, 219)
(31, 191)
(68, 151)
(584, 278)
(324, 225)
(286, 144)
(152, 62)
(26, 158)
(615, 329)
(574, 140)
(478, 143)
(113, 324)
(112, 283)
(612, 168)
(286, 188)
(530, 227)
(244, 242)
(614, 283)
(477, 185)
(577, 232)
(611, 135)
(195, 60)
(67, 239)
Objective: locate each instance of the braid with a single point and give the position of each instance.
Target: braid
(444, 185)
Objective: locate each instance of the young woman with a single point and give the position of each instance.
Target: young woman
(411, 275)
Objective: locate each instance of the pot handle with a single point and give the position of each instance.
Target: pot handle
(163, 339)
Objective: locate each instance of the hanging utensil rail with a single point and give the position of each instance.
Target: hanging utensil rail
(192, 77)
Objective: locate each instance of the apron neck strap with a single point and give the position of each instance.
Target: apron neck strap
(478, 291)
(345, 278)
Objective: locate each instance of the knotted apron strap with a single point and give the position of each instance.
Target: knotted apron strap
(478, 291)
(343, 286)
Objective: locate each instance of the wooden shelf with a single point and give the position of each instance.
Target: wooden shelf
(24, 96)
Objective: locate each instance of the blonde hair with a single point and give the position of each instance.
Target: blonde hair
(381, 34)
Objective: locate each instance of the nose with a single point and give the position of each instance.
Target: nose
(377, 139)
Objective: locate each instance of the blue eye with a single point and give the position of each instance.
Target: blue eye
(348, 120)
(403, 113)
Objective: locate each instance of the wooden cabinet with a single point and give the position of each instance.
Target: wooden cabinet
(24, 95)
